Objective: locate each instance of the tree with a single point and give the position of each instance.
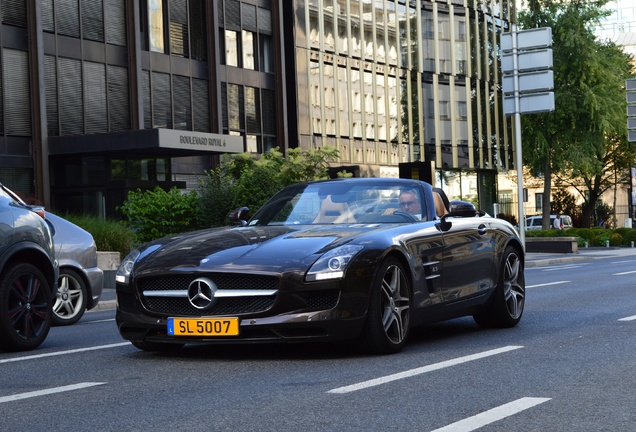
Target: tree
(588, 106)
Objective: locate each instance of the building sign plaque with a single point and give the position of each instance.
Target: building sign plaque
(187, 140)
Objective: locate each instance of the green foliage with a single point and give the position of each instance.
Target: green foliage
(616, 239)
(109, 235)
(629, 237)
(563, 202)
(247, 180)
(158, 213)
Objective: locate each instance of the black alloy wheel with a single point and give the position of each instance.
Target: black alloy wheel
(25, 307)
(388, 319)
(507, 304)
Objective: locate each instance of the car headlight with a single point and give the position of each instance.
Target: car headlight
(126, 266)
(332, 264)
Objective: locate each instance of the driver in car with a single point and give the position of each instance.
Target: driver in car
(410, 203)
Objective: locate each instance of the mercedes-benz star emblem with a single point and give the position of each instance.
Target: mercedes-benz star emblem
(201, 293)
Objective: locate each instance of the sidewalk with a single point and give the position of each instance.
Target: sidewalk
(535, 259)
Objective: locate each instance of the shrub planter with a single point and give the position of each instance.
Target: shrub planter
(552, 244)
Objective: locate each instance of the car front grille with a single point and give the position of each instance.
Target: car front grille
(224, 306)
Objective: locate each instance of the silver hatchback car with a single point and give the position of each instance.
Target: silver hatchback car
(81, 281)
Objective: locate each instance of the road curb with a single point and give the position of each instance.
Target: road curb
(559, 260)
(105, 305)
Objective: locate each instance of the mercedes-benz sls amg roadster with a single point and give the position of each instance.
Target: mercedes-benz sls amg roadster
(364, 259)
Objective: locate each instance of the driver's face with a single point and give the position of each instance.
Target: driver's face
(410, 204)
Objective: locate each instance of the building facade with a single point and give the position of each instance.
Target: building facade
(99, 97)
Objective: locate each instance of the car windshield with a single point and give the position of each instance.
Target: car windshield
(342, 202)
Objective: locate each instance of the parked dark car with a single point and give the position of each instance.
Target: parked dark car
(81, 281)
(28, 275)
(325, 261)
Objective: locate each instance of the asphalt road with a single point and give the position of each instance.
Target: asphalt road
(569, 365)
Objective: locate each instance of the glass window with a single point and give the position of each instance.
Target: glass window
(252, 110)
(328, 24)
(444, 37)
(340, 17)
(16, 92)
(315, 92)
(369, 106)
(95, 94)
(343, 101)
(155, 25)
(314, 23)
(266, 53)
(231, 48)
(179, 28)
(403, 34)
(354, 22)
(249, 49)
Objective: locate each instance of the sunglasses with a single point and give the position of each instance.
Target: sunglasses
(407, 203)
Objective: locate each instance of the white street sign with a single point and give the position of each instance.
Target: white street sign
(530, 103)
(631, 110)
(631, 97)
(631, 135)
(631, 122)
(528, 39)
(630, 84)
(527, 61)
(529, 82)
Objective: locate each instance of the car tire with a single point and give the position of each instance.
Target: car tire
(25, 307)
(156, 346)
(388, 319)
(71, 298)
(505, 308)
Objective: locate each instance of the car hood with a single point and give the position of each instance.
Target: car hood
(261, 249)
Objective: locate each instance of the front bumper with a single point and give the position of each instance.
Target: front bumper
(327, 325)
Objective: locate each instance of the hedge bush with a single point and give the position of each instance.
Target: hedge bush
(597, 236)
(158, 213)
(109, 235)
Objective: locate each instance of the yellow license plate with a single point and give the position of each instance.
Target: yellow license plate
(203, 326)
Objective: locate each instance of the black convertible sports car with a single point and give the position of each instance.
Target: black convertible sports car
(362, 259)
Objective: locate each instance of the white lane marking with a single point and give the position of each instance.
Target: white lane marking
(59, 353)
(624, 273)
(623, 262)
(492, 415)
(629, 318)
(421, 370)
(557, 268)
(97, 321)
(45, 392)
(547, 284)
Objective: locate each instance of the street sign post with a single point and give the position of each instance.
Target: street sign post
(526, 62)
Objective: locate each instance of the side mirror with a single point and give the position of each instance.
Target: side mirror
(462, 209)
(457, 209)
(240, 216)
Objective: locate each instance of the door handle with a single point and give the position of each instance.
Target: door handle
(482, 229)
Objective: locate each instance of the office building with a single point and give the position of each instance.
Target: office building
(99, 97)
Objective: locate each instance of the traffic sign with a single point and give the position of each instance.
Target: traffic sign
(527, 60)
(528, 39)
(530, 103)
(529, 82)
